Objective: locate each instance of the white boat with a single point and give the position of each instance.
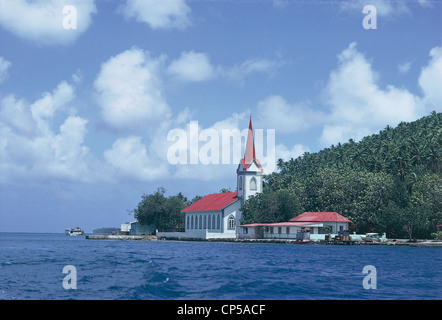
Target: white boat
(74, 231)
(374, 237)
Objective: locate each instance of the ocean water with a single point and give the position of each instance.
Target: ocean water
(31, 267)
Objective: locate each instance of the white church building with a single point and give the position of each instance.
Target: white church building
(218, 215)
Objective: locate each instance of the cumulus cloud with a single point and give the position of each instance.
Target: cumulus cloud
(158, 14)
(359, 106)
(430, 80)
(29, 145)
(130, 158)
(196, 67)
(129, 90)
(275, 112)
(213, 152)
(192, 66)
(42, 20)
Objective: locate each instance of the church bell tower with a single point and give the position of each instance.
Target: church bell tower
(249, 173)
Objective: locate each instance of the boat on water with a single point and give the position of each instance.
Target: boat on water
(74, 231)
(374, 237)
(303, 241)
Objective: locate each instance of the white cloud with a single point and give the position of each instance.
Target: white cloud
(30, 147)
(203, 137)
(238, 73)
(42, 20)
(158, 14)
(129, 91)
(282, 152)
(430, 80)
(4, 66)
(192, 66)
(358, 106)
(196, 67)
(384, 8)
(276, 113)
(130, 158)
(214, 152)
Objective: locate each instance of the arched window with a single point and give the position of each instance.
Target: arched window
(240, 183)
(191, 223)
(213, 221)
(201, 222)
(218, 222)
(188, 222)
(205, 222)
(231, 222)
(253, 184)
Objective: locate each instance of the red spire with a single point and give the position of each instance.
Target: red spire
(250, 146)
(249, 155)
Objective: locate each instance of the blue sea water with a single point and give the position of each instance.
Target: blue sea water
(31, 267)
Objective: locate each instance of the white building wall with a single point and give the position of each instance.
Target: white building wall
(202, 230)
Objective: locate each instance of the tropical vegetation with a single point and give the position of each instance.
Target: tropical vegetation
(388, 182)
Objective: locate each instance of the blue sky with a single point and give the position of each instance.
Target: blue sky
(85, 113)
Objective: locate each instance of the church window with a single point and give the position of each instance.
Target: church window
(218, 222)
(231, 222)
(240, 183)
(191, 223)
(253, 184)
(201, 222)
(188, 222)
(205, 222)
(213, 221)
(209, 225)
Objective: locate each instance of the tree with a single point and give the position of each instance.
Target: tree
(164, 213)
(387, 182)
(271, 206)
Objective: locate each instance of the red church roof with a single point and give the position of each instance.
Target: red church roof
(213, 202)
(250, 155)
(319, 217)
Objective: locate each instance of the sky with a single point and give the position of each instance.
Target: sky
(102, 101)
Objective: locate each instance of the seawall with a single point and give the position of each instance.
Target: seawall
(121, 237)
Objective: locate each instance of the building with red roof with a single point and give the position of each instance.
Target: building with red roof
(217, 215)
(320, 217)
(316, 224)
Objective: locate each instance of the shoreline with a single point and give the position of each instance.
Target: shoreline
(399, 243)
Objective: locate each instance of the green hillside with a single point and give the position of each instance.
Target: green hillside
(388, 182)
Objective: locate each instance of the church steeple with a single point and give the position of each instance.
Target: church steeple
(249, 154)
(249, 172)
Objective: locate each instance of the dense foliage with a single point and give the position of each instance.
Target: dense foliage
(388, 182)
(161, 211)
